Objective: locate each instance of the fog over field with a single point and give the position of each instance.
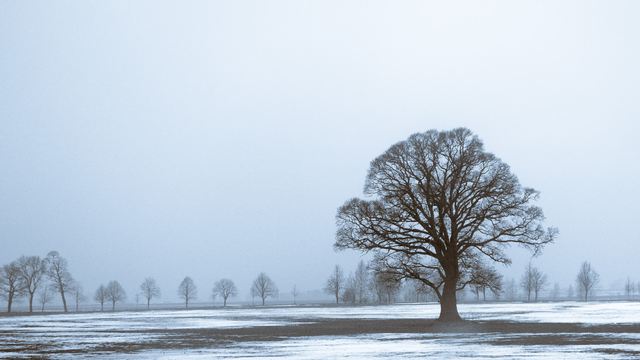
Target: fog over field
(218, 139)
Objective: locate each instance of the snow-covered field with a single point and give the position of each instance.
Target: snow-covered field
(84, 335)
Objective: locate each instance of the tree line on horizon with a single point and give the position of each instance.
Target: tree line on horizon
(262, 287)
(368, 285)
(40, 279)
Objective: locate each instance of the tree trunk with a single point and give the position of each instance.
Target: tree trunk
(9, 302)
(263, 301)
(113, 306)
(102, 306)
(224, 302)
(31, 302)
(148, 301)
(449, 303)
(64, 300)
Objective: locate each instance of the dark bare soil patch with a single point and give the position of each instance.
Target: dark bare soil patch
(498, 333)
(519, 333)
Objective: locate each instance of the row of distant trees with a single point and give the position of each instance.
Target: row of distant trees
(631, 288)
(364, 285)
(40, 279)
(368, 284)
(263, 288)
(586, 280)
(534, 281)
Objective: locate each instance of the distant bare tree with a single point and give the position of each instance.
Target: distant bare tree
(226, 289)
(294, 293)
(385, 286)
(539, 282)
(510, 290)
(422, 290)
(150, 290)
(361, 279)
(264, 287)
(526, 283)
(533, 281)
(350, 289)
(115, 293)
(555, 293)
(101, 296)
(485, 278)
(437, 203)
(11, 285)
(629, 288)
(586, 280)
(187, 291)
(59, 275)
(253, 294)
(570, 294)
(32, 271)
(44, 296)
(335, 283)
(78, 295)
(415, 291)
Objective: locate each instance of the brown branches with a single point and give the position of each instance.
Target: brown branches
(439, 199)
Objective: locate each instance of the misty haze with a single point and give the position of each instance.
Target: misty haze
(328, 179)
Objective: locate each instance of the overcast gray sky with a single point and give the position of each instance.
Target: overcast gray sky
(217, 138)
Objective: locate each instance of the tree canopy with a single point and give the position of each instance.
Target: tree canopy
(438, 208)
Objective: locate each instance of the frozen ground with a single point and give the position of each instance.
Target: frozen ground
(507, 331)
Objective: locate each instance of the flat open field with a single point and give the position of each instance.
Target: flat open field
(599, 330)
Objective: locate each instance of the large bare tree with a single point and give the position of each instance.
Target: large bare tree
(11, 285)
(437, 206)
(32, 271)
(226, 289)
(187, 291)
(150, 290)
(115, 293)
(59, 275)
(587, 279)
(263, 287)
(335, 283)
